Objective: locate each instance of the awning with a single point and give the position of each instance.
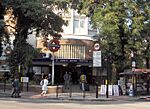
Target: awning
(136, 71)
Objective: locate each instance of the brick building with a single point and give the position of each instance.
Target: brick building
(75, 53)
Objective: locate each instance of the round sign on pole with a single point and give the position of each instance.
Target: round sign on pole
(54, 45)
(8, 50)
(96, 46)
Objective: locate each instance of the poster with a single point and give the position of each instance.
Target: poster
(103, 90)
(116, 90)
(110, 89)
(25, 79)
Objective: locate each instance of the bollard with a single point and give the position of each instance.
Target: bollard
(107, 94)
(70, 94)
(57, 91)
(4, 85)
(84, 94)
(96, 90)
(83, 90)
(27, 86)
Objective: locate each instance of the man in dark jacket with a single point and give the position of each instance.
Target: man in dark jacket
(15, 88)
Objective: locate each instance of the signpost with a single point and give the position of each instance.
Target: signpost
(96, 61)
(97, 55)
(25, 80)
(53, 46)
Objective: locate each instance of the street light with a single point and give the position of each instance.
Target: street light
(107, 81)
(108, 62)
(133, 69)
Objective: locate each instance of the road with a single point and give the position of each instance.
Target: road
(14, 103)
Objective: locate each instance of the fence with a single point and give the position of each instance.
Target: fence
(73, 91)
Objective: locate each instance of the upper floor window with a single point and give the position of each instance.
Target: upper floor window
(79, 26)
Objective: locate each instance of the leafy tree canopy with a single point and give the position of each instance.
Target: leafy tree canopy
(37, 14)
(121, 24)
(29, 16)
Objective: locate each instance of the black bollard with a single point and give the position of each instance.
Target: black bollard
(4, 85)
(83, 94)
(70, 94)
(107, 89)
(96, 90)
(84, 91)
(57, 91)
(27, 86)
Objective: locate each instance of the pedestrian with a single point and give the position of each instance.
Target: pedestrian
(15, 88)
(67, 79)
(49, 78)
(44, 83)
(42, 75)
(83, 81)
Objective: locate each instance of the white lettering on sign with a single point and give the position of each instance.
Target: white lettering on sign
(96, 46)
(97, 59)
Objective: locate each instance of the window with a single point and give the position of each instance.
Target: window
(69, 51)
(79, 26)
(82, 24)
(76, 26)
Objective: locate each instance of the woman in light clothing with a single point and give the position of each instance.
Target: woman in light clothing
(44, 84)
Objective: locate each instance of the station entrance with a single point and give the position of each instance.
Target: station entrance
(74, 68)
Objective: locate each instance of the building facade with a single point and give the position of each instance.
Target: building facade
(75, 53)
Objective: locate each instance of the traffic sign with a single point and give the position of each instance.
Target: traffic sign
(96, 46)
(97, 59)
(8, 50)
(54, 45)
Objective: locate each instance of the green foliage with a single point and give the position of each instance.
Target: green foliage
(121, 25)
(3, 33)
(32, 15)
(38, 14)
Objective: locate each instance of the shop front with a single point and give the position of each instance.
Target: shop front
(136, 82)
(74, 66)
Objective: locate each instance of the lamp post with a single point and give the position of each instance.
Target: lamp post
(53, 46)
(107, 80)
(133, 69)
(53, 68)
(108, 62)
(96, 61)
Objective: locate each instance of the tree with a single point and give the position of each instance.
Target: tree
(146, 44)
(120, 24)
(33, 15)
(1, 27)
(3, 32)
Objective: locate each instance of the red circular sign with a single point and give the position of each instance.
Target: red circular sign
(8, 50)
(96, 46)
(54, 45)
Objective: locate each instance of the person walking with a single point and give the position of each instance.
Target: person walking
(83, 81)
(67, 79)
(49, 78)
(44, 84)
(15, 88)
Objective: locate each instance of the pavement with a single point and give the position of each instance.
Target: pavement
(74, 96)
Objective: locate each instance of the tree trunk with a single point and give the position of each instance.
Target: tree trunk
(147, 63)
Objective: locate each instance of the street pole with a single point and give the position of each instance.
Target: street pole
(133, 75)
(107, 87)
(53, 46)
(53, 68)
(97, 89)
